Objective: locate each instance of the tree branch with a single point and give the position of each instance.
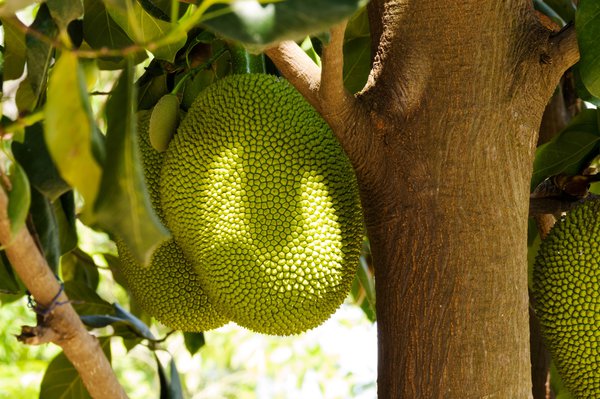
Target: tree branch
(564, 50)
(299, 69)
(81, 348)
(336, 102)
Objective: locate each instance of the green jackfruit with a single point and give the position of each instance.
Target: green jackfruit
(168, 288)
(261, 197)
(566, 284)
(164, 121)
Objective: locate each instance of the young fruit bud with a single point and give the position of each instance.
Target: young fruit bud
(164, 121)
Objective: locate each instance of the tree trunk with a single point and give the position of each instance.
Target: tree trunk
(454, 103)
(442, 139)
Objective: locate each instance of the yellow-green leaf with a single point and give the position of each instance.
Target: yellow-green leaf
(19, 198)
(69, 126)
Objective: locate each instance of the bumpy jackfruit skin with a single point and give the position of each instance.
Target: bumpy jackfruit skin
(566, 283)
(261, 197)
(169, 288)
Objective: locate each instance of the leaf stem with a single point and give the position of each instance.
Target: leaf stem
(22, 122)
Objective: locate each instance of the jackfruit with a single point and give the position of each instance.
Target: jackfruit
(163, 121)
(262, 199)
(168, 288)
(566, 287)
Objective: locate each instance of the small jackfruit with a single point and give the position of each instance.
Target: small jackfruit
(168, 288)
(262, 199)
(163, 122)
(566, 285)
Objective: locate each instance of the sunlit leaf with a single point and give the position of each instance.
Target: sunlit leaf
(19, 198)
(35, 158)
(124, 208)
(9, 7)
(15, 50)
(143, 28)
(69, 127)
(587, 22)
(257, 24)
(62, 381)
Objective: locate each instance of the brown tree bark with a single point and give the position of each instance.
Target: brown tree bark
(442, 139)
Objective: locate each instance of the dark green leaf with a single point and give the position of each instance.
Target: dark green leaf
(170, 388)
(64, 209)
(35, 158)
(85, 300)
(193, 341)
(195, 85)
(564, 8)
(258, 24)
(8, 280)
(124, 208)
(569, 151)
(587, 21)
(46, 228)
(151, 91)
(581, 90)
(143, 28)
(79, 266)
(69, 126)
(62, 381)
(100, 30)
(15, 49)
(357, 63)
(39, 52)
(25, 98)
(19, 198)
(64, 11)
(120, 318)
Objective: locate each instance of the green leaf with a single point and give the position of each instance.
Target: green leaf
(62, 381)
(124, 208)
(46, 228)
(19, 198)
(65, 11)
(258, 25)
(587, 22)
(120, 318)
(570, 150)
(79, 266)
(564, 8)
(85, 300)
(9, 7)
(357, 63)
(9, 283)
(101, 31)
(35, 158)
(193, 341)
(143, 28)
(170, 388)
(15, 49)
(64, 210)
(69, 127)
(39, 52)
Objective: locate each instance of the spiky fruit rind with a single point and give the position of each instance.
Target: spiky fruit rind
(169, 288)
(566, 283)
(258, 192)
(164, 121)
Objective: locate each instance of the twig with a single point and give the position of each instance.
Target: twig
(564, 50)
(81, 348)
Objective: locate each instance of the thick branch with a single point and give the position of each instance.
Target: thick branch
(564, 51)
(299, 69)
(81, 348)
